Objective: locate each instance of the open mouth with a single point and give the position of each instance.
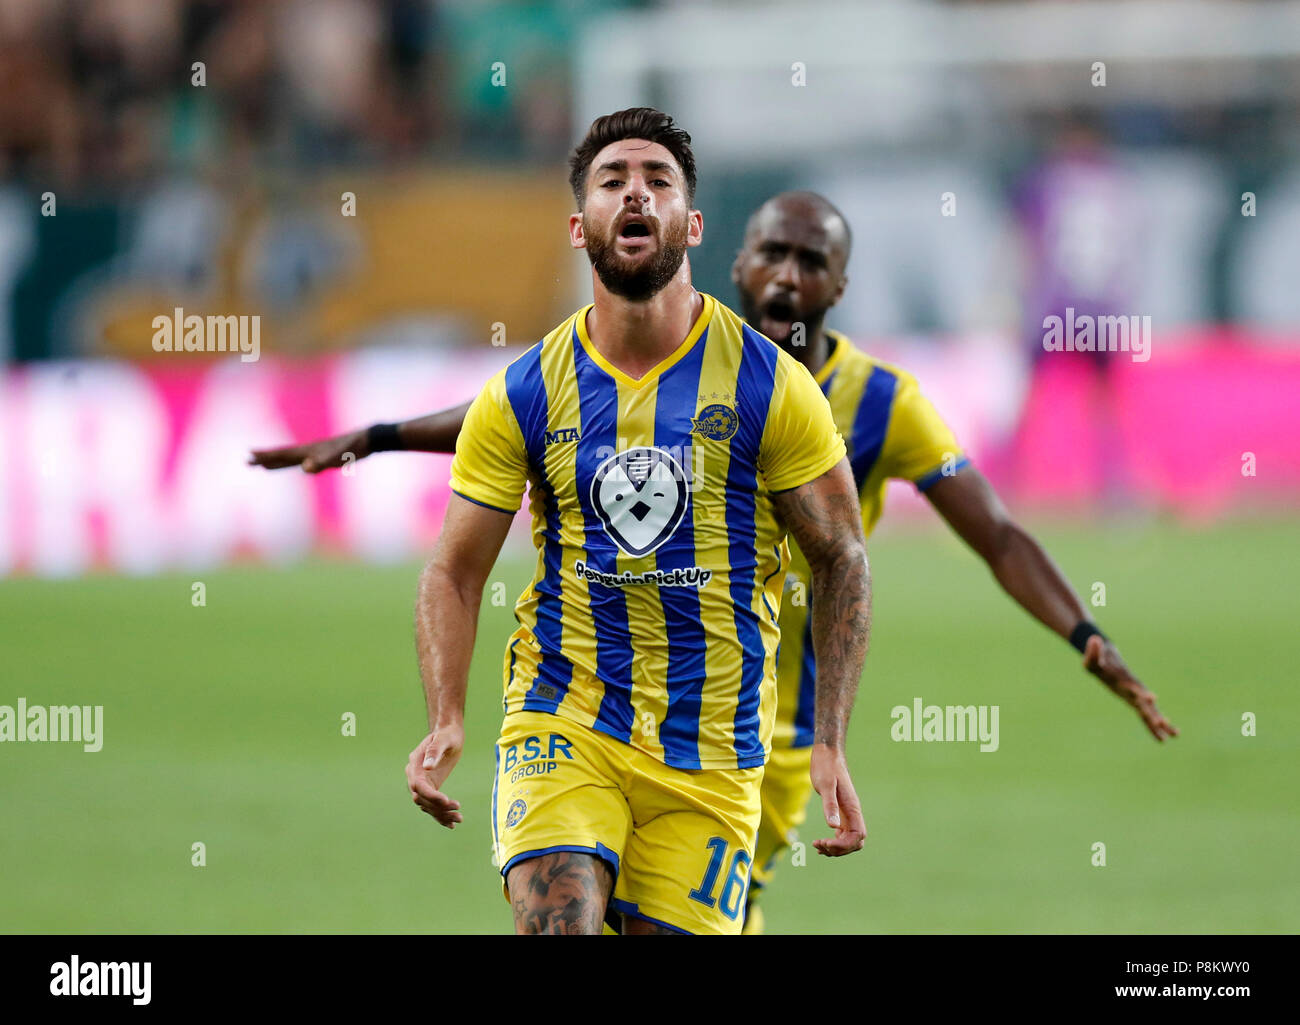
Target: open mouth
(780, 310)
(635, 232)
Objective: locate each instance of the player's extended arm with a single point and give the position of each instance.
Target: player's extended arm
(436, 432)
(1026, 572)
(826, 520)
(446, 619)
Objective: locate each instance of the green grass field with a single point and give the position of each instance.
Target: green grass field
(222, 725)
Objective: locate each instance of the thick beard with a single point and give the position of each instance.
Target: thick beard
(639, 283)
(749, 307)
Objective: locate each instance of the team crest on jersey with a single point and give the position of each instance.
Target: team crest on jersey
(516, 813)
(640, 496)
(717, 421)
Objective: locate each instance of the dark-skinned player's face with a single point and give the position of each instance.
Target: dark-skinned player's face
(636, 224)
(790, 271)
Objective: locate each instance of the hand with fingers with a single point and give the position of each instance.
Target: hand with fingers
(1101, 658)
(830, 778)
(313, 456)
(428, 768)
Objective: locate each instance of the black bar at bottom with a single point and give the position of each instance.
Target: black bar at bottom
(858, 974)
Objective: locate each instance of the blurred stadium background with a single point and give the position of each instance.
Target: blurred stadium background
(383, 183)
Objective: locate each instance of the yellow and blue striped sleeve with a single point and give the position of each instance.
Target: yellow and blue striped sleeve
(801, 441)
(919, 446)
(490, 467)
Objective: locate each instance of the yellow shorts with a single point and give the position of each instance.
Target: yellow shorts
(679, 842)
(786, 789)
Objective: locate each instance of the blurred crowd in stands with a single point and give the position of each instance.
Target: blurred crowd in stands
(185, 140)
(105, 90)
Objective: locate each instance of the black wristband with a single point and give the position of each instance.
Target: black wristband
(1080, 634)
(383, 438)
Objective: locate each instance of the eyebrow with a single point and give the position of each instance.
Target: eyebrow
(817, 254)
(654, 166)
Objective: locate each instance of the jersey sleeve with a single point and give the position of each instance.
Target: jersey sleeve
(801, 441)
(490, 467)
(919, 447)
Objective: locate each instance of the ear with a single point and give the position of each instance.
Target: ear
(839, 292)
(694, 228)
(577, 237)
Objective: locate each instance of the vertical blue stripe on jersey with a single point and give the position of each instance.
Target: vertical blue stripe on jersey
(597, 440)
(674, 411)
(754, 384)
(871, 421)
(767, 604)
(526, 390)
(807, 701)
(510, 676)
(496, 777)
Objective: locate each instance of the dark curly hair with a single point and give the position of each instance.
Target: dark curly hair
(633, 123)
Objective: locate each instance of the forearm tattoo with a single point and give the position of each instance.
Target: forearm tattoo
(826, 523)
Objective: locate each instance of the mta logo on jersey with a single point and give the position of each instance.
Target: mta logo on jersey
(535, 757)
(562, 435)
(717, 421)
(640, 496)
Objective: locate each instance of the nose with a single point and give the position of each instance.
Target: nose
(636, 192)
(787, 274)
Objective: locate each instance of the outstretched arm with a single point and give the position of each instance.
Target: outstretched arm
(436, 432)
(825, 519)
(1027, 573)
(446, 619)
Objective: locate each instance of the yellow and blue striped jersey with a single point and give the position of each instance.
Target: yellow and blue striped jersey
(652, 615)
(892, 431)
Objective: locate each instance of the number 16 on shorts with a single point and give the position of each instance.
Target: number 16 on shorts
(732, 898)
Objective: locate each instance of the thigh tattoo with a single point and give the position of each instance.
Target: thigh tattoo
(563, 893)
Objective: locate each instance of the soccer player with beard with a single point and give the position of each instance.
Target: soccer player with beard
(668, 448)
(789, 272)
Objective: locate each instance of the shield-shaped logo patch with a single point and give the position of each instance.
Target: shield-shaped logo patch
(640, 496)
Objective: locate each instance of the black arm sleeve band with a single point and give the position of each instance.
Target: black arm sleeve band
(1080, 634)
(383, 438)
